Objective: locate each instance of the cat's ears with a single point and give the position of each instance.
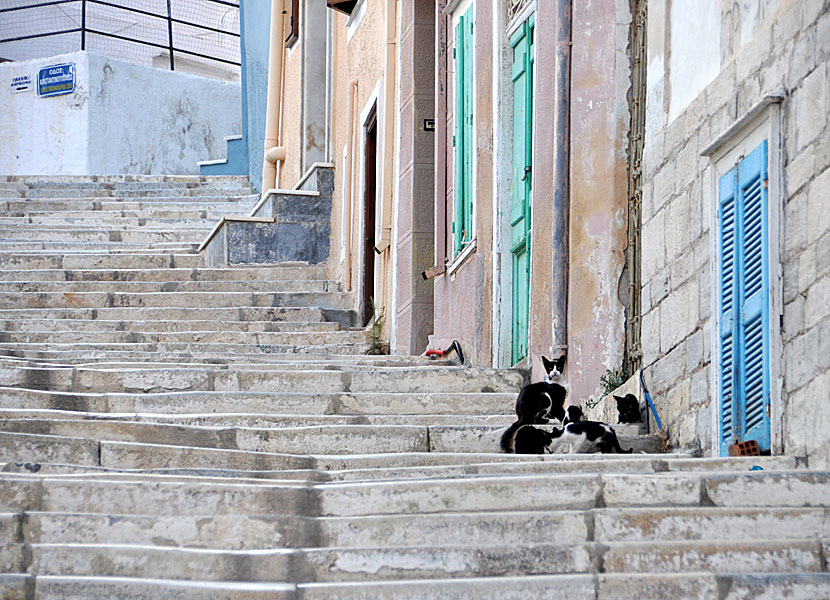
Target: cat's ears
(628, 398)
(558, 364)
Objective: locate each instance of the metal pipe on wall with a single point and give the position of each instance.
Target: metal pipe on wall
(273, 152)
(389, 113)
(347, 192)
(561, 176)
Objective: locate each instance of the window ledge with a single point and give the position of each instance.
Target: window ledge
(462, 257)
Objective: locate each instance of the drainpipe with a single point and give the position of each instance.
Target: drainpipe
(389, 112)
(273, 151)
(347, 200)
(561, 176)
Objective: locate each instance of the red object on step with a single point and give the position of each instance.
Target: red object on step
(748, 448)
(454, 346)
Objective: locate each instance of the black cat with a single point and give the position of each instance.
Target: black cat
(539, 402)
(629, 408)
(530, 440)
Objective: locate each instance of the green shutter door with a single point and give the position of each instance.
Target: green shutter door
(522, 71)
(463, 139)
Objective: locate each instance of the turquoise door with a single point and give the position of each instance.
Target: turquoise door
(522, 72)
(744, 302)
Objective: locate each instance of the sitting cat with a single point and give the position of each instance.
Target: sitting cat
(573, 414)
(539, 402)
(531, 440)
(629, 408)
(584, 436)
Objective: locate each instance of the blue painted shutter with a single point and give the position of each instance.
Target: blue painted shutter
(727, 212)
(754, 297)
(744, 302)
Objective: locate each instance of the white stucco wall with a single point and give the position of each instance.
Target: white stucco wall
(122, 118)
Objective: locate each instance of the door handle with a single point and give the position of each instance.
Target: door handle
(527, 173)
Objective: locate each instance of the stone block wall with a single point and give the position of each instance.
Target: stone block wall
(790, 50)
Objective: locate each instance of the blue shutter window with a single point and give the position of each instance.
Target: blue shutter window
(744, 302)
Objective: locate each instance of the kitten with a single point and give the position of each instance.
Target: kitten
(573, 414)
(530, 440)
(584, 436)
(538, 402)
(629, 408)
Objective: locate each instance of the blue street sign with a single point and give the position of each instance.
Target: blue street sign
(56, 80)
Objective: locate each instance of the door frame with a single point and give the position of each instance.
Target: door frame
(502, 176)
(761, 122)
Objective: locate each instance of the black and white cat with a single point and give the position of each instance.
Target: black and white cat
(587, 436)
(628, 408)
(539, 402)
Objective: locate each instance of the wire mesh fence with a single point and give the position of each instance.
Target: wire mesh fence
(195, 36)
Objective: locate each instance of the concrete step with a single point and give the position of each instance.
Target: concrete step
(115, 220)
(287, 271)
(144, 287)
(334, 300)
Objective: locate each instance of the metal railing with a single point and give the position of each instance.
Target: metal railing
(204, 33)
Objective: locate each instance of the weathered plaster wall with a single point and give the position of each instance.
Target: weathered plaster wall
(763, 46)
(44, 136)
(463, 300)
(414, 233)
(598, 219)
(122, 118)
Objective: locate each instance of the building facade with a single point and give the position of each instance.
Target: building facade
(635, 185)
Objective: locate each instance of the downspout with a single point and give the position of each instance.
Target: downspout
(561, 177)
(273, 151)
(347, 192)
(389, 113)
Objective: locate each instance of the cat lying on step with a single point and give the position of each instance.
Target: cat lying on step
(575, 438)
(539, 402)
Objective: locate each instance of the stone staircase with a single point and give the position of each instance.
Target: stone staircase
(170, 431)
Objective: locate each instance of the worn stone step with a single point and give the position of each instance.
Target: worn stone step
(257, 420)
(710, 524)
(115, 221)
(100, 260)
(101, 325)
(13, 300)
(266, 403)
(695, 586)
(197, 351)
(158, 495)
(154, 192)
(370, 379)
(286, 271)
(241, 204)
(139, 235)
(233, 532)
(309, 564)
(172, 339)
(142, 287)
(145, 313)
